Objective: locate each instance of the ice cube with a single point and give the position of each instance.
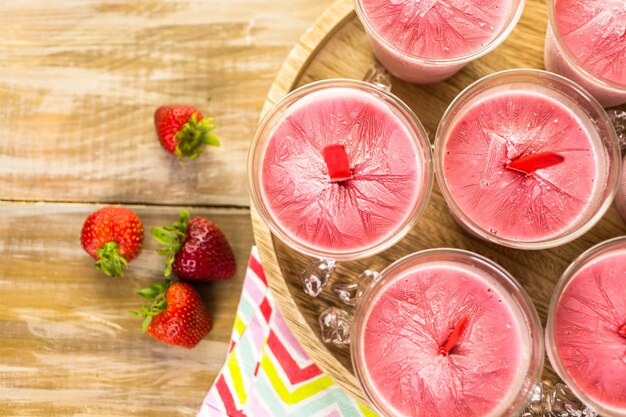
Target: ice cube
(351, 293)
(378, 75)
(315, 276)
(562, 402)
(335, 326)
(535, 406)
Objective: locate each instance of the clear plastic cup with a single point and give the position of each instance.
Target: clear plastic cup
(562, 93)
(424, 70)
(593, 317)
(559, 58)
(516, 391)
(385, 102)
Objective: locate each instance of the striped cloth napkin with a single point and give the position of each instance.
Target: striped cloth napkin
(267, 373)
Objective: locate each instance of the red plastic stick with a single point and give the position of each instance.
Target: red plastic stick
(532, 163)
(337, 162)
(454, 335)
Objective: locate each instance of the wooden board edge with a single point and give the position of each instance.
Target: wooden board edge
(287, 78)
(305, 50)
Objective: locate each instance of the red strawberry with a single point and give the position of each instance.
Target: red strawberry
(176, 315)
(113, 236)
(196, 249)
(183, 131)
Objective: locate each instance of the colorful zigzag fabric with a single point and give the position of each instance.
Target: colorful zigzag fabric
(267, 373)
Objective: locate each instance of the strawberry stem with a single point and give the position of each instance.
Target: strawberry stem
(172, 237)
(194, 136)
(337, 162)
(454, 336)
(111, 262)
(531, 163)
(622, 331)
(156, 294)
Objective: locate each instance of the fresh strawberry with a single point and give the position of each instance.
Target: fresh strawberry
(183, 131)
(196, 249)
(176, 315)
(113, 236)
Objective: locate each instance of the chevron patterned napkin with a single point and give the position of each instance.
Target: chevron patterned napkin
(267, 373)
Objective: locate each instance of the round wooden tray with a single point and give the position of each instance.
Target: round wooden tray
(336, 47)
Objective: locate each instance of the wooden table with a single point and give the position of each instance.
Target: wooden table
(79, 82)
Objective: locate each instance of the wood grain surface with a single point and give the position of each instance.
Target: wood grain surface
(68, 345)
(80, 79)
(79, 82)
(336, 46)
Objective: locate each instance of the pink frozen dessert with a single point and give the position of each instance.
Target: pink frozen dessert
(521, 165)
(590, 331)
(342, 172)
(586, 42)
(443, 339)
(426, 41)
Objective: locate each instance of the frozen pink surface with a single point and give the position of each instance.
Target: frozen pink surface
(512, 205)
(432, 29)
(412, 318)
(437, 28)
(595, 33)
(555, 61)
(589, 313)
(350, 215)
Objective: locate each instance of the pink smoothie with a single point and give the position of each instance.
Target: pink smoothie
(594, 33)
(386, 171)
(412, 318)
(431, 30)
(507, 125)
(589, 314)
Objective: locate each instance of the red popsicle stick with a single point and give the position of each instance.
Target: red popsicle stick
(532, 163)
(337, 162)
(454, 336)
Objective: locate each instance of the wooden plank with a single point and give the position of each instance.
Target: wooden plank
(336, 46)
(68, 345)
(80, 80)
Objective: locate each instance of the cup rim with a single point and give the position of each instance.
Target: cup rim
(497, 41)
(526, 309)
(614, 168)
(569, 56)
(419, 139)
(553, 356)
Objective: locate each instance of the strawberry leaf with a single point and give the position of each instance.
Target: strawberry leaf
(111, 262)
(163, 235)
(155, 293)
(211, 139)
(183, 221)
(146, 323)
(172, 237)
(151, 292)
(194, 136)
(168, 265)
